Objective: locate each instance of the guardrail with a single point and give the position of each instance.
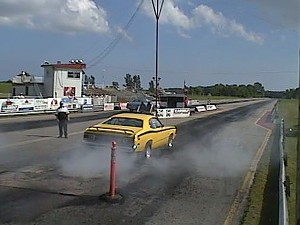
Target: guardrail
(283, 181)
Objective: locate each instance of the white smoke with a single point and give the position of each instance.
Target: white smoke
(221, 155)
(94, 162)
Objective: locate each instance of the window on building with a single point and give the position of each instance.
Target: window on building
(72, 74)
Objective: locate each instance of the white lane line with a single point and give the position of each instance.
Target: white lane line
(21, 143)
(248, 179)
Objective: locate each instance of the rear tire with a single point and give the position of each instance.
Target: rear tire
(148, 150)
(170, 142)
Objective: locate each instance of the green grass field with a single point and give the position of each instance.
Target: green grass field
(288, 111)
(5, 90)
(254, 215)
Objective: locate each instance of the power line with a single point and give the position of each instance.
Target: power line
(203, 72)
(91, 47)
(97, 59)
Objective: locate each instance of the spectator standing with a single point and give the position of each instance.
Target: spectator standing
(62, 116)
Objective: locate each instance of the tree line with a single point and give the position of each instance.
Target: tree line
(256, 90)
(234, 90)
(287, 94)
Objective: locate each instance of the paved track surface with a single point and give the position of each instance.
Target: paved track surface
(46, 180)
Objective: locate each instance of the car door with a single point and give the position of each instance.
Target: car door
(160, 135)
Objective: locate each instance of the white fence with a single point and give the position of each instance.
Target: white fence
(19, 105)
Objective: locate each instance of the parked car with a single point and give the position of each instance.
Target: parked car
(139, 105)
(136, 132)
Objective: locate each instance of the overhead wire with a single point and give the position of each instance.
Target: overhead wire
(97, 59)
(91, 48)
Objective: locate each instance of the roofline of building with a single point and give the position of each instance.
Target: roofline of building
(79, 66)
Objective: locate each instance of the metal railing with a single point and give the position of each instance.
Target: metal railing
(283, 181)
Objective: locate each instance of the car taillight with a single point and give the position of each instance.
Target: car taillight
(88, 136)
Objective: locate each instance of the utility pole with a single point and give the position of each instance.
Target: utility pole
(298, 152)
(157, 11)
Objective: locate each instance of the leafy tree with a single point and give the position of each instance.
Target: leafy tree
(137, 82)
(234, 90)
(151, 86)
(92, 80)
(115, 85)
(128, 81)
(259, 89)
(8, 81)
(132, 82)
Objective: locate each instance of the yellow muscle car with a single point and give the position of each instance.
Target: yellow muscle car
(135, 131)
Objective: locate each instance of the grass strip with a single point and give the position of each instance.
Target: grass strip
(252, 214)
(288, 111)
(260, 205)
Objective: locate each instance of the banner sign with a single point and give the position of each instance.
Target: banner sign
(84, 101)
(109, 106)
(200, 108)
(164, 113)
(123, 105)
(25, 104)
(181, 112)
(53, 103)
(40, 104)
(9, 105)
(71, 103)
(173, 112)
(211, 107)
(69, 91)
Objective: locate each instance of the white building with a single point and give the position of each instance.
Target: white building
(63, 80)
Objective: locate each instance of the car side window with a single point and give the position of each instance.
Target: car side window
(155, 123)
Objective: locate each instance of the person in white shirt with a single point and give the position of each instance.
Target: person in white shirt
(62, 116)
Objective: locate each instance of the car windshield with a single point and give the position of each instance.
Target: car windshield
(121, 121)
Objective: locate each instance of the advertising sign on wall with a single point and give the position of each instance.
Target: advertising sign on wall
(9, 105)
(71, 103)
(123, 105)
(40, 104)
(85, 103)
(211, 107)
(108, 106)
(200, 108)
(25, 104)
(181, 112)
(53, 103)
(69, 91)
(173, 113)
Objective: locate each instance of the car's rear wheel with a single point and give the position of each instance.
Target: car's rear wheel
(148, 150)
(170, 141)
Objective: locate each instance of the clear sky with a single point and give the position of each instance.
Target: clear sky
(202, 42)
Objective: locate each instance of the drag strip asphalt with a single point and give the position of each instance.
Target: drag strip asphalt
(47, 180)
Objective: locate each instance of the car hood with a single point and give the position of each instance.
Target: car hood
(114, 129)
